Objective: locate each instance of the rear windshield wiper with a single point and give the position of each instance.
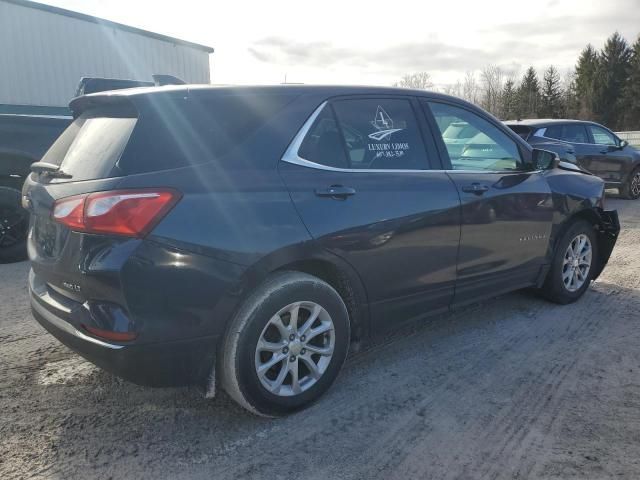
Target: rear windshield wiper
(49, 169)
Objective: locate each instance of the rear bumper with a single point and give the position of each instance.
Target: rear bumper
(163, 364)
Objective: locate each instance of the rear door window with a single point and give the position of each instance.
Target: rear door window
(366, 134)
(575, 133)
(323, 144)
(554, 131)
(381, 133)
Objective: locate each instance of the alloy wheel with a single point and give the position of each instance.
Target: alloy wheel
(635, 185)
(13, 226)
(577, 263)
(295, 348)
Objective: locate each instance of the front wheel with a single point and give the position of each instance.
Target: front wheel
(572, 265)
(631, 188)
(286, 345)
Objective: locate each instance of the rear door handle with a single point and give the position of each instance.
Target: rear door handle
(476, 188)
(336, 191)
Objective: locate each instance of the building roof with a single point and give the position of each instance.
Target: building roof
(108, 23)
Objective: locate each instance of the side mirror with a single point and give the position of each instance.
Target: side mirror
(623, 143)
(544, 159)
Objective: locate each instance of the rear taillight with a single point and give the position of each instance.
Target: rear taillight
(111, 335)
(132, 213)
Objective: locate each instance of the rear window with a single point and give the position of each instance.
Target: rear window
(91, 146)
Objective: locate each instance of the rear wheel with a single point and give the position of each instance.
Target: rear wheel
(631, 188)
(14, 222)
(286, 345)
(572, 266)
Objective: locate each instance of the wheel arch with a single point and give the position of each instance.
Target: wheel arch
(606, 227)
(345, 281)
(300, 258)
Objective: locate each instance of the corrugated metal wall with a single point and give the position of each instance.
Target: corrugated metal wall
(43, 56)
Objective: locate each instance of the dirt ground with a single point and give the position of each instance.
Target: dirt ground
(511, 388)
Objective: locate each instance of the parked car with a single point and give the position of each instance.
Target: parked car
(244, 236)
(589, 145)
(24, 138)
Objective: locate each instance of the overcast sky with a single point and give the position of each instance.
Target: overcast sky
(342, 41)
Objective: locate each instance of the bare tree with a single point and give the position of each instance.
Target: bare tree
(455, 89)
(470, 89)
(492, 80)
(419, 80)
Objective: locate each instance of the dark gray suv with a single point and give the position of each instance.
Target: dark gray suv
(245, 236)
(591, 146)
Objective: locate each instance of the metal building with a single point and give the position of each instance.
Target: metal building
(45, 50)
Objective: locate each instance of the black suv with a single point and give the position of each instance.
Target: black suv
(589, 145)
(245, 236)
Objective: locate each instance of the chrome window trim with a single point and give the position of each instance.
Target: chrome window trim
(291, 156)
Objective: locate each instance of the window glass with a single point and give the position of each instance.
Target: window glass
(381, 134)
(323, 144)
(91, 145)
(575, 133)
(554, 131)
(569, 133)
(601, 136)
(487, 149)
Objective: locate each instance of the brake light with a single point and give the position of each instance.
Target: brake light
(131, 213)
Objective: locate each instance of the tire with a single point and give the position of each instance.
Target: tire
(14, 223)
(631, 188)
(272, 392)
(560, 286)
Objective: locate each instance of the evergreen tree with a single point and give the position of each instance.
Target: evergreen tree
(529, 94)
(570, 105)
(612, 76)
(509, 100)
(585, 79)
(631, 97)
(551, 98)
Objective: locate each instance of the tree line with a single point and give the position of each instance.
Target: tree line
(604, 87)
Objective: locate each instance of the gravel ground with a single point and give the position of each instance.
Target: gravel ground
(512, 388)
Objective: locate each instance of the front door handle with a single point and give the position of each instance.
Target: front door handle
(476, 188)
(336, 191)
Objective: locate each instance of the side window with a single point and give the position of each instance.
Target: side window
(554, 131)
(487, 149)
(323, 144)
(601, 136)
(381, 134)
(575, 133)
(569, 133)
